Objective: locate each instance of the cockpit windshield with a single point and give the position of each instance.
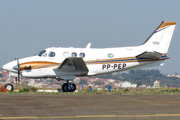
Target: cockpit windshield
(42, 52)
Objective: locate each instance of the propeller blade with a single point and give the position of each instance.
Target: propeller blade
(17, 67)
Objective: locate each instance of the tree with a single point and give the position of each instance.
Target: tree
(139, 83)
(83, 82)
(132, 72)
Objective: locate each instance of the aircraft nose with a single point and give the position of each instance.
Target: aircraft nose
(9, 67)
(6, 67)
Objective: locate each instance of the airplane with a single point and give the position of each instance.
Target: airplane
(68, 63)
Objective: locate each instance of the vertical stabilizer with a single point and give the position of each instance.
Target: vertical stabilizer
(160, 39)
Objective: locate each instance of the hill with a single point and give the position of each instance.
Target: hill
(146, 77)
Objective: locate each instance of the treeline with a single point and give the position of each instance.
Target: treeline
(144, 77)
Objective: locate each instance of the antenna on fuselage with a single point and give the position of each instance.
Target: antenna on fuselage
(88, 46)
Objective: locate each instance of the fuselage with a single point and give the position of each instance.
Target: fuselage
(98, 61)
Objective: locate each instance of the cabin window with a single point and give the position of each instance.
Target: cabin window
(74, 54)
(110, 55)
(42, 52)
(66, 54)
(82, 55)
(52, 54)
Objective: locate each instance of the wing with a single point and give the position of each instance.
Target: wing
(152, 55)
(73, 65)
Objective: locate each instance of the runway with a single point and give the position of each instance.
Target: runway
(80, 107)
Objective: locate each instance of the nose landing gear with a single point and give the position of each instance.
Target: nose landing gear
(9, 87)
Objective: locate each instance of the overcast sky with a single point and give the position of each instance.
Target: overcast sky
(29, 26)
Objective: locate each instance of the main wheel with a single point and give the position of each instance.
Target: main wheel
(9, 86)
(64, 87)
(71, 88)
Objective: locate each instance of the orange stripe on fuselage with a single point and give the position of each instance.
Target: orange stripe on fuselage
(38, 64)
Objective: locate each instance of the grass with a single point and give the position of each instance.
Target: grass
(0, 117)
(138, 91)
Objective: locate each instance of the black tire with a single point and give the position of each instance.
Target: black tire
(9, 87)
(64, 87)
(71, 89)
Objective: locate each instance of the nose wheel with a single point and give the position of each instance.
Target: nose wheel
(9, 87)
(68, 87)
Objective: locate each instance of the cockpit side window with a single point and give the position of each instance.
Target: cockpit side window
(42, 52)
(52, 54)
(44, 55)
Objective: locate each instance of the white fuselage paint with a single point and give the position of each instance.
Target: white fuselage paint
(97, 61)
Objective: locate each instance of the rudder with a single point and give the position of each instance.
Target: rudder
(160, 39)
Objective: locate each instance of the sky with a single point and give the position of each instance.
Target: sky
(27, 27)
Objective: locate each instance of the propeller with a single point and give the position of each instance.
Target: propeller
(17, 67)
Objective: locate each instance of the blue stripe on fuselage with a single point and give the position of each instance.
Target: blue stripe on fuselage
(124, 60)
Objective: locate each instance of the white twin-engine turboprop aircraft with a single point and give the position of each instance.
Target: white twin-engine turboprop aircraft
(68, 63)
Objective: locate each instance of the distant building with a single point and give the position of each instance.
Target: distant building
(156, 84)
(117, 85)
(143, 86)
(31, 82)
(111, 80)
(126, 84)
(38, 85)
(133, 85)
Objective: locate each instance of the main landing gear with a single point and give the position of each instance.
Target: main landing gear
(69, 87)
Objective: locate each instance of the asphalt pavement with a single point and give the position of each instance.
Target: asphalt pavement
(89, 107)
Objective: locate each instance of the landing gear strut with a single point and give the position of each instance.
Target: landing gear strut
(69, 87)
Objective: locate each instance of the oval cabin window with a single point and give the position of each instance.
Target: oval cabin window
(74, 54)
(110, 55)
(82, 55)
(66, 54)
(51, 54)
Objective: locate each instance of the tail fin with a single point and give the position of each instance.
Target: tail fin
(160, 39)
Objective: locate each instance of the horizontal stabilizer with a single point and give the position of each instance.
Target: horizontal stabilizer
(153, 55)
(73, 64)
